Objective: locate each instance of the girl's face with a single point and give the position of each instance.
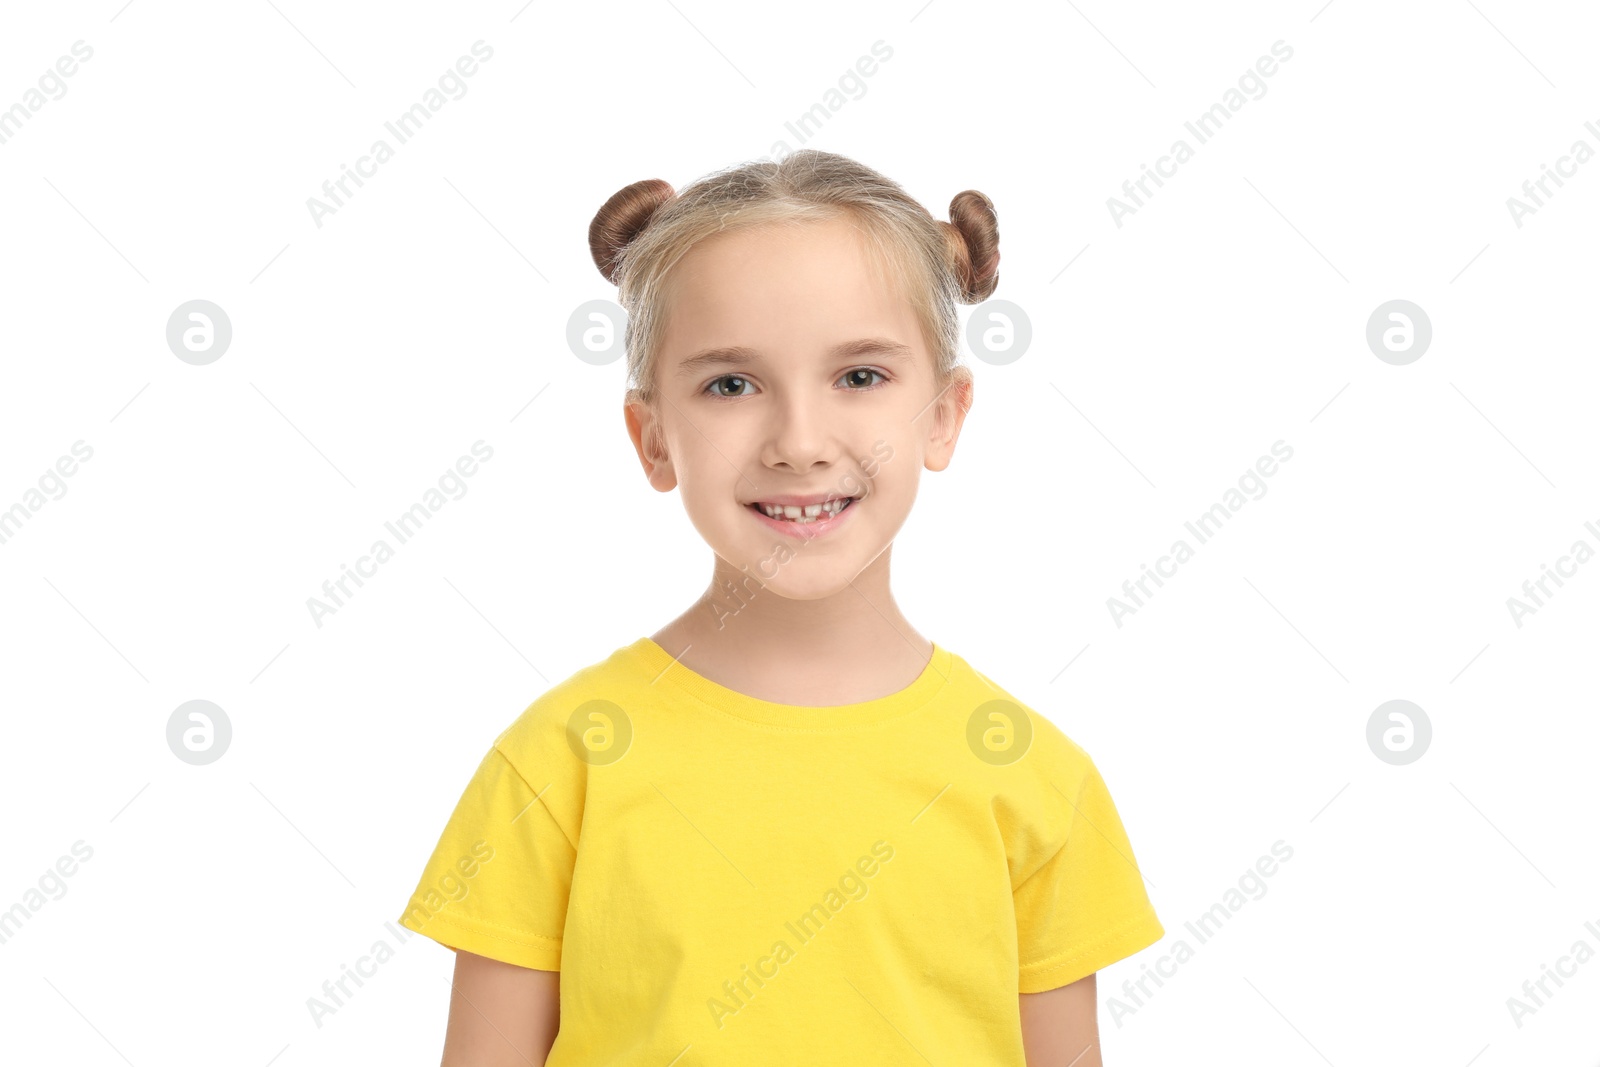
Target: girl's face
(792, 373)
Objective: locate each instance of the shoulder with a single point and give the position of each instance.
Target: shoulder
(595, 695)
(1043, 755)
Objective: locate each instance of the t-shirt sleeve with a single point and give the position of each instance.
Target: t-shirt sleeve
(498, 880)
(1086, 907)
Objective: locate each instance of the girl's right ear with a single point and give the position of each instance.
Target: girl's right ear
(620, 219)
(644, 428)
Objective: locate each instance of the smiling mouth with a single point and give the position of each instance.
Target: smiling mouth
(806, 515)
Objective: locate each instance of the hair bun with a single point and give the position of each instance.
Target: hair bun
(621, 218)
(973, 234)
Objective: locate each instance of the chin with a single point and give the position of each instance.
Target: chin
(808, 587)
(795, 574)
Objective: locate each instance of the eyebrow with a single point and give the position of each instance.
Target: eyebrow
(735, 355)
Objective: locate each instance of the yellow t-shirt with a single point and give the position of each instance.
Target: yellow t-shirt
(725, 880)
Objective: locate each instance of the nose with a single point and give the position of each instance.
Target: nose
(800, 434)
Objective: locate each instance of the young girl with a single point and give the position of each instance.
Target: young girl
(786, 828)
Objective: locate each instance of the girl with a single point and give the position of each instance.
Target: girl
(785, 828)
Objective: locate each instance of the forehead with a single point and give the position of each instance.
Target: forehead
(786, 288)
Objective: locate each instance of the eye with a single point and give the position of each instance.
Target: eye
(850, 376)
(713, 386)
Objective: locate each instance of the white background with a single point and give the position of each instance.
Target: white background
(427, 313)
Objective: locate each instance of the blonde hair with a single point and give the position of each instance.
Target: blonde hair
(645, 228)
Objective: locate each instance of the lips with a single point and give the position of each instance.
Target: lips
(803, 514)
(829, 512)
(805, 499)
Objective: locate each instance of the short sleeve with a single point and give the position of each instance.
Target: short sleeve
(1086, 907)
(498, 880)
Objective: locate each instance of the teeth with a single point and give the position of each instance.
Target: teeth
(809, 513)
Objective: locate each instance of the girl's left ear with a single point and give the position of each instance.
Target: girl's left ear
(950, 411)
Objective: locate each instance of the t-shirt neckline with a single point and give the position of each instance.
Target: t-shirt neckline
(664, 669)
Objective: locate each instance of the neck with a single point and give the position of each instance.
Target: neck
(740, 630)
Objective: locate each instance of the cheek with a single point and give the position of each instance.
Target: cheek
(711, 500)
(709, 506)
(889, 464)
(702, 473)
